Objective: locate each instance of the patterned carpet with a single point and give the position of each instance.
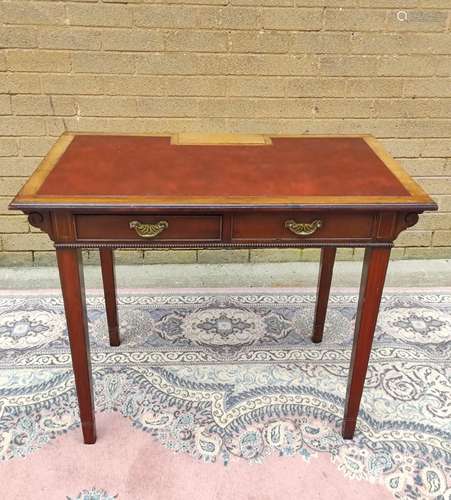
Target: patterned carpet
(226, 376)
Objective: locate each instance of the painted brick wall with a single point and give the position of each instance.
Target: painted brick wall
(283, 66)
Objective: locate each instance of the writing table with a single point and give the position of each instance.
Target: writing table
(220, 191)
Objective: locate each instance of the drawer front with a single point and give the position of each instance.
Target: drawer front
(148, 228)
(289, 226)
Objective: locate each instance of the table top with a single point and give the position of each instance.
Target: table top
(198, 170)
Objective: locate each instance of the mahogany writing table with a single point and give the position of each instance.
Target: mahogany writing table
(220, 191)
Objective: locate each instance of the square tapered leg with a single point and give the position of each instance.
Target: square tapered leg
(372, 284)
(109, 289)
(326, 268)
(73, 288)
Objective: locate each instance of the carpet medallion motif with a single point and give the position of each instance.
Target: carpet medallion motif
(227, 376)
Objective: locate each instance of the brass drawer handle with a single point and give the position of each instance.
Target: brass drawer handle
(148, 230)
(303, 228)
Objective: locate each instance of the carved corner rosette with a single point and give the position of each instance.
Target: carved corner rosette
(40, 221)
(406, 220)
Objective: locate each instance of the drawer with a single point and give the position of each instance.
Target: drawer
(148, 227)
(294, 226)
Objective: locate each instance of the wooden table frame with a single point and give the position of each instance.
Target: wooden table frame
(369, 222)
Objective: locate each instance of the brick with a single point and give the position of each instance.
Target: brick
(406, 66)
(390, 127)
(99, 15)
(181, 63)
(305, 42)
(348, 65)
(222, 256)
(239, 64)
(91, 257)
(193, 2)
(65, 105)
(4, 202)
(13, 224)
(13, 259)
(345, 254)
(399, 43)
(292, 19)
(441, 238)
(259, 41)
(55, 126)
(72, 84)
(144, 125)
(424, 166)
(264, 3)
(70, 38)
(435, 185)
(105, 62)
(434, 221)
(11, 185)
(5, 105)
(134, 85)
(196, 41)
(354, 19)
(39, 61)
(17, 37)
(444, 203)
(32, 105)
(20, 83)
(428, 87)
(256, 87)
(310, 254)
(417, 20)
(428, 253)
(176, 17)
(180, 107)
(405, 148)
(196, 86)
(128, 256)
(40, 13)
(170, 257)
(17, 167)
(443, 66)
(343, 108)
(405, 4)
(94, 106)
(133, 40)
(414, 238)
(166, 16)
(35, 146)
(8, 147)
(281, 108)
(273, 64)
(29, 241)
(374, 87)
(412, 108)
(228, 18)
(275, 255)
(19, 125)
(45, 258)
(395, 254)
(315, 87)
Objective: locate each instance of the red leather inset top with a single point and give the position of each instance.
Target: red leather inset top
(107, 165)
